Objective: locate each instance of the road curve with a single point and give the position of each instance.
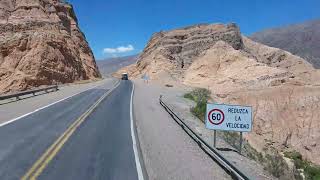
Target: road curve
(100, 148)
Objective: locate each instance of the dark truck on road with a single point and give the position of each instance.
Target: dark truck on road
(124, 76)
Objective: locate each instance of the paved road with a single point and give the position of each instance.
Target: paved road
(10, 109)
(168, 152)
(100, 148)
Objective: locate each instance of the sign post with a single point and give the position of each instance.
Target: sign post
(240, 146)
(214, 138)
(145, 78)
(229, 118)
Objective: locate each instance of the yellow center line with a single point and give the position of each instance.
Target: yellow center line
(38, 167)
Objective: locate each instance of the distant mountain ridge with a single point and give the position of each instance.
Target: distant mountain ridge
(111, 65)
(302, 39)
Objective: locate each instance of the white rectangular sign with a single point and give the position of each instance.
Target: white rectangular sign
(229, 117)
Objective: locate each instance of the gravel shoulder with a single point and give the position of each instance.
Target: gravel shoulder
(158, 133)
(168, 152)
(14, 109)
(181, 107)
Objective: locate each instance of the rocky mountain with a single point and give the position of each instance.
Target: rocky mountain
(111, 65)
(299, 39)
(41, 44)
(283, 89)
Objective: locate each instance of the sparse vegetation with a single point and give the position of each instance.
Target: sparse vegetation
(199, 110)
(311, 171)
(188, 96)
(253, 153)
(201, 97)
(231, 138)
(271, 159)
(275, 164)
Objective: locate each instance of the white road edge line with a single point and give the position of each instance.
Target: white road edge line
(22, 116)
(134, 142)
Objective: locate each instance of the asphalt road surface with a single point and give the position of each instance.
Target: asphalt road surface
(85, 137)
(168, 152)
(11, 109)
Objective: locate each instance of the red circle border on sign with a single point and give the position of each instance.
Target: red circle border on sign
(210, 118)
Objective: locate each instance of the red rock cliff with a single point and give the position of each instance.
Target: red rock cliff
(41, 44)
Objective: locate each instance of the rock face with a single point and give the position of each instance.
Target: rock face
(180, 47)
(300, 39)
(41, 44)
(283, 89)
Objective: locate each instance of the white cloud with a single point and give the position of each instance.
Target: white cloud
(120, 49)
(109, 50)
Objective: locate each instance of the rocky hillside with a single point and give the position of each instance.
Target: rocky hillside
(41, 44)
(299, 39)
(283, 89)
(111, 65)
(180, 47)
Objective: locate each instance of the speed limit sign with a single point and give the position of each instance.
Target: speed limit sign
(216, 116)
(229, 117)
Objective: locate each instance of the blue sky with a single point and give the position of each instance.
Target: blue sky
(123, 27)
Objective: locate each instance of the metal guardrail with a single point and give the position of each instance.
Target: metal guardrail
(17, 95)
(212, 152)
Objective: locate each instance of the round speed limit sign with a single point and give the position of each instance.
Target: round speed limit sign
(216, 116)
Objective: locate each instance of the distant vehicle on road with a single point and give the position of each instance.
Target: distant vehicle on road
(124, 76)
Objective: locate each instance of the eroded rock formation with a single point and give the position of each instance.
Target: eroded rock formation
(41, 44)
(282, 88)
